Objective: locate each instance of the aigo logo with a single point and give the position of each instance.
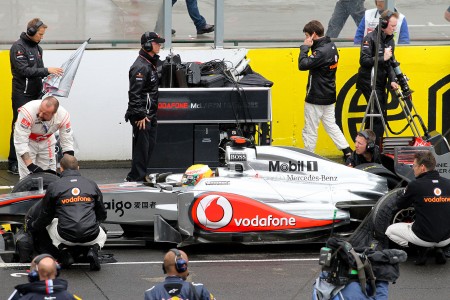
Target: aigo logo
(214, 211)
(226, 212)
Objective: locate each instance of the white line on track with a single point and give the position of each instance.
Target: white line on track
(21, 265)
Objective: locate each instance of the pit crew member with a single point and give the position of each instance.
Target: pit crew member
(175, 286)
(72, 210)
(429, 194)
(366, 151)
(34, 135)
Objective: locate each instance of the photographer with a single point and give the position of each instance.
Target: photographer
(385, 73)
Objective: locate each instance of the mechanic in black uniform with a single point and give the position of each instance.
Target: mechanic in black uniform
(43, 282)
(73, 208)
(385, 72)
(429, 194)
(175, 265)
(143, 104)
(27, 68)
(366, 151)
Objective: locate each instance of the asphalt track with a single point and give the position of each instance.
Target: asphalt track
(229, 271)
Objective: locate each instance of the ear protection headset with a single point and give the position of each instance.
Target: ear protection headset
(34, 29)
(147, 46)
(181, 264)
(385, 20)
(370, 144)
(33, 275)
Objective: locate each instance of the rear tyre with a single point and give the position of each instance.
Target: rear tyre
(30, 183)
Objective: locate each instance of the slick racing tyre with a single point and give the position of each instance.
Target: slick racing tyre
(393, 180)
(363, 235)
(384, 213)
(31, 183)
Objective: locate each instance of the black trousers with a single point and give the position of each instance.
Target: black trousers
(378, 127)
(17, 102)
(144, 141)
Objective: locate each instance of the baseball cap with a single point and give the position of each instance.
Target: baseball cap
(151, 36)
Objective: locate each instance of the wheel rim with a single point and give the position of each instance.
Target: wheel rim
(407, 215)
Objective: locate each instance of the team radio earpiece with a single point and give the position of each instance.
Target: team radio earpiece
(181, 264)
(385, 20)
(148, 46)
(33, 275)
(370, 144)
(34, 29)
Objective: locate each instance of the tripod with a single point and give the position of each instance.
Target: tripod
(373, 99)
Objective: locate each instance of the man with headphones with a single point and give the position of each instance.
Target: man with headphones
(366, 151)
(27, 68)
(43, 282)
(175, 286)
(143, 104)
(385, 73)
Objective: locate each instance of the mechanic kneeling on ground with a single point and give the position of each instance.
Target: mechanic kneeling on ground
(366, 151)
(175, 286)
(429, 194)
(43, 282)
(72, 210)
(34, 137)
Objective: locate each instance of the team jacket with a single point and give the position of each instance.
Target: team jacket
(175, 287)
(143, 92)
(371, 20)
(322, 65)
(77, 202)
(367, 60)
(29, 127)
(429, 193)
(27, 67)
(356, 159)
(55, 289)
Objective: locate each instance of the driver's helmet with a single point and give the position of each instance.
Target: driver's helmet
(195, 173)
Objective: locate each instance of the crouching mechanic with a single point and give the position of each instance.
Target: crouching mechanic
(429, 194)
(366, 151)
(43, 282)
(175, 265)
(72, 210)
(34, 135)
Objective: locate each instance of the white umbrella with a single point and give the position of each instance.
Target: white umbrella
(60, 85)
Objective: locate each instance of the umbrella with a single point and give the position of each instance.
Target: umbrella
(60, 85)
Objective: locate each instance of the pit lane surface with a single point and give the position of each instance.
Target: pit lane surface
(228, 271)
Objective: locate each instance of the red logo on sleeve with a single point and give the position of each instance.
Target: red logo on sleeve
(25, 123)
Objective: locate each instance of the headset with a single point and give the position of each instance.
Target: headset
(181, 264)
(370, 144)
(33, 275)
(385, 20)
(148, 46)
(34, 29)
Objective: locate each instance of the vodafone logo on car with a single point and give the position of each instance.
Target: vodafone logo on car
(226, 212)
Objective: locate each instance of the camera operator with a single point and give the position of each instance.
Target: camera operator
(385, 73)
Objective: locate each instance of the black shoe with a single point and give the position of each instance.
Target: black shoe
(92, 256)
(422, 256)
(439, 257)
(206, 29)
(65, 258)
(173, 31)
(13, 169)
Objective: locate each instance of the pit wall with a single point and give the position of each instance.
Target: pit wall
(98, 99)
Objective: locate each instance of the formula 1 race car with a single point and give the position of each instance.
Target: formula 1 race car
(264, 194)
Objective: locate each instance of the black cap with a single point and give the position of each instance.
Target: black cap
(152, 37)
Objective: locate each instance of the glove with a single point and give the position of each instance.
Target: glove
(71, 152)
(34, 169)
